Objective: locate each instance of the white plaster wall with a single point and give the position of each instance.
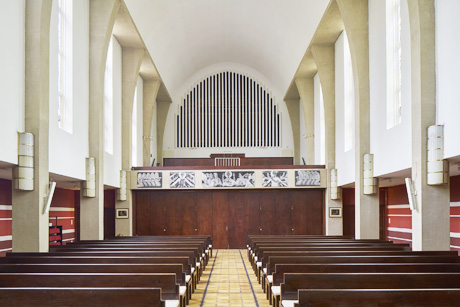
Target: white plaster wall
(317, 89)
(344, 161)
(391, 147)
(447, 74)
(140, 105)
(303, 132)
(153, 142)
(112, 163)
(67, 151)
(286, 132)
(12, 29)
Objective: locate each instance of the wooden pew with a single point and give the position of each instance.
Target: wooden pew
(380, 297)
(184, 290)
(161, 254)
(411, 257)
(126, 297)
(106, 260)
(294, 282)
(166, 282)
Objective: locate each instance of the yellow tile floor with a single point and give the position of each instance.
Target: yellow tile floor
(228, 282)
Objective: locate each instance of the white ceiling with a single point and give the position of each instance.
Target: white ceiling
(185, 36)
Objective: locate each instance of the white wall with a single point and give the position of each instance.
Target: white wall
(447, 74)
(391, 148)
(345, 161)
(12, 29)
(112, 163)
(67, 151)
(286, 131)
(140, 91)
(153, 132)
(303, 132)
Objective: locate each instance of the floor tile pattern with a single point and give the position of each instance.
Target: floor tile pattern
(228, 284)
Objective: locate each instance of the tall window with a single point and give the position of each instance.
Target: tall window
(349, 98)
(65, 120)
(393, 63)
(108, 100)
(134, 131)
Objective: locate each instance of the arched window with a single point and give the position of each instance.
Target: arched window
(228, 109)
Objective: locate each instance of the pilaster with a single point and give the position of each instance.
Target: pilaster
(431, 220)
(355, 15)
(29, 224)
(306, 89)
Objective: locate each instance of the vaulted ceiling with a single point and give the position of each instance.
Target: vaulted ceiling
(185, 36)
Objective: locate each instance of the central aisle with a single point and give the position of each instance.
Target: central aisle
(225, 282)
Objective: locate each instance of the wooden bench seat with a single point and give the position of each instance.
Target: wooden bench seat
(36, 296)
(380, 297)
(294, 282)
(185, 287)
(166, 282)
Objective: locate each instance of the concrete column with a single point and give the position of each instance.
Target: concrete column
(306, 89)
(101, 20)
(324, 56)
(131, 63)
(30, 226)
(431, 220)
(355, 14)
(162, 113)
(294, 116)
(151, 88)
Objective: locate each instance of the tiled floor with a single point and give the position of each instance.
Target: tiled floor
(228, 282)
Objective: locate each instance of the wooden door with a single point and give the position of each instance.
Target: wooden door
(283, 208)
(158, 216)
(236, 218)
(204, 213)
(267, 212)
(315, 212)
(143, 215)
(252, 213)
(299, 213)
(220, 219)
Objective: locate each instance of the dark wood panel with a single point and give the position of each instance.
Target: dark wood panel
(314, 217)
(299, 212)
(204, 213)
(283, 210)
(237, 230)
(188, 208)
(109, 213)
(242, 211)
(267, 212)
(220, 219)
(252, 213)
(143, 215)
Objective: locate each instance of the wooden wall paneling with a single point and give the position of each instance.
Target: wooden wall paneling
(237, 231)
(315, 211)
(348, 213)
(77, 214)
(252, 213)
(143, 214)
(220, 219)
(158, 213)
(187, 206)
(204, 213)
(174, 206)
(299, 212)
(109, 213)
(383, 197)
(283, 206)
(267, 218)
